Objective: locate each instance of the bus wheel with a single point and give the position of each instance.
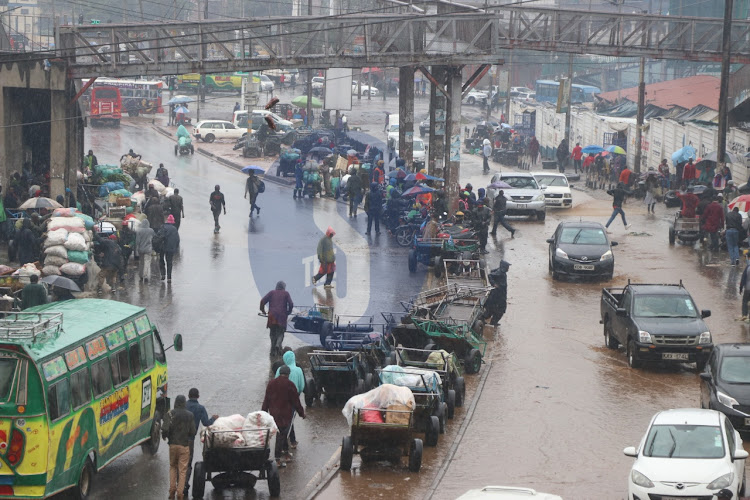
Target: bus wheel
(82, 488)
(152, 445)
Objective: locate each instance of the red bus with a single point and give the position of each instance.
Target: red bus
(106, 105)
(138, 96)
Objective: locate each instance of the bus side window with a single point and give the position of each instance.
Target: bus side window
(59, 399)
(159, 348)
(80, 388)
(101, 377)
(120, 371)
(147, 353)
(135, 359)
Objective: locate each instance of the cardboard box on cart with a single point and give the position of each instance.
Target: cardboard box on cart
(392, 417)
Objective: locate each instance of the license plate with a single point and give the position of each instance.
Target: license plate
(583, 267)
(675, 355)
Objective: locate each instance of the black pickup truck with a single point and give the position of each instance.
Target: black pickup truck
(655, 323)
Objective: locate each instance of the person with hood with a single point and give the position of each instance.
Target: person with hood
(281, 401)
(327, 258)
(111, 260)
(497, 301)
(299, 185)
(374, 207)
(618, 197)
(562, 155)
(90, 161)
(481, 194)
(472, 197)
(486, 154)
(171, 245)
(144, 237)
(378, 174)
(533, 150)
(252, 187)
(354, 190)
(162, 175)
(216, 202)
(280, 306)
(744, 285)
(179, 431)
(27, 244)
(155, 214)
(297, 376)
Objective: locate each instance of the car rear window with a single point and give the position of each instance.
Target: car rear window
(7, 370)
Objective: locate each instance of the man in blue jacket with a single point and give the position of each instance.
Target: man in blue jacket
(201, 417)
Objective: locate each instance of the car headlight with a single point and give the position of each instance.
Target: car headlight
(559, 252)
(608, 255)
(539, 197)
(721, 482)
(567, 195)
(726, 400)
(644, 337)
(705, 338)
(640, 479)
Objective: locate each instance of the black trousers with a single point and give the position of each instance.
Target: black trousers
(165, 264)
(375, 216)
(745, 300)
(482, 233)
(352, 205)
(500, 219)
(329, 277)
(216, 213)
(281, 443)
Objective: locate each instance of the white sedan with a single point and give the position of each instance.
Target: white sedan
(687, 453)
(365, 89)
(210, 130)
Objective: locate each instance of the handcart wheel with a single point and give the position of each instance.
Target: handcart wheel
(309, 392)
(369, 382)
(199, 480)
(347, 453)
(460, 388)
(430, 347)
(390, 359)
(450, 400)
(274, 483)
(438, 267)
(415, 455)
(326, 330)
(412, 261)
(432, 433)
(473, 361)
(360, 386)
(441, 412)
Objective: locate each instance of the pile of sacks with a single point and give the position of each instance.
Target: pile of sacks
(68, 246)
(386, 403)
(164, 192)
(236, 431)
(135, 167)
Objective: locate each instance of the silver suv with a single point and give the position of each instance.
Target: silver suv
(524, 195)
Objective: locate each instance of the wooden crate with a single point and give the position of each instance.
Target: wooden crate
(398, 417)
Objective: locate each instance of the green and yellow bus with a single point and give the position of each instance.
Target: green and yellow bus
(214, 83)
(81, 382)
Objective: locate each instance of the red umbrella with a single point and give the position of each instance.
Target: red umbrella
(420, 176)
(742, 202)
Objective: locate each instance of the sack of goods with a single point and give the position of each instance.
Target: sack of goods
(68, 243)
(258, 429)
(399, 400)
(225, 432)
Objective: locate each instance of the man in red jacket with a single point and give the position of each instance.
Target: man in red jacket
(713, 221)
(689, 203)
(281, 400)
(577, 155)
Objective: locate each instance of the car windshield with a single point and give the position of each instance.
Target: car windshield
(418, 146)
(664, 306)
(684, 441)
(521, 182)
(552, 180)
(735, 370)
(583, 236)
(393, 128)
(7, 368)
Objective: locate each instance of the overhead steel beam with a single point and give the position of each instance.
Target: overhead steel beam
(362, 40)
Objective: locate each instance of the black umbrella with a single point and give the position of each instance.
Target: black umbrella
(61, 282)
(321, 150)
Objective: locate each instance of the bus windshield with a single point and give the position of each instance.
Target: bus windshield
(7, 369)
(105, 93)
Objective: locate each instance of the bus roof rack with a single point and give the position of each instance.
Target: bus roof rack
(29, 325)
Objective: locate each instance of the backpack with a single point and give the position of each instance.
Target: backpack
(157, 242)
(262, 187)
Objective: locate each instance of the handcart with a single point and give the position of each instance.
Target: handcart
(231, 467)
(445, 364)
(425, 251)
(373, 345)
(685, 229)
(391, 439)
(338, 375)
(430, 409)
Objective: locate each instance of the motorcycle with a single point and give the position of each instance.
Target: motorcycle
(184, 143)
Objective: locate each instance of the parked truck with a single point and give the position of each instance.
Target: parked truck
(656, 323)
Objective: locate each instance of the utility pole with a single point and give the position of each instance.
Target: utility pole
(726, 39)
(570, 99)
(639, 116)
(309, 77)
(510, 82)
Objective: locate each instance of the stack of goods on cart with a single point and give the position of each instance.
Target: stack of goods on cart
(136, 168)
(383, 397)
(139, 197)
(16, 279)
(67, 246)
(411, 377)
(235, 431)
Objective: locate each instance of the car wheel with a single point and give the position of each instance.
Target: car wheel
(672, 236)
(633, 361)
(209, 138)
(82, 489)
(700, 365)
(609, 340)
(471, 101)
(541, 215)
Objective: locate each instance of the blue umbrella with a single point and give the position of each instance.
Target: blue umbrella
(253, 168)
(182, 109)
(180, 99)
(592, 150)
(683, 154)
(398, 173)
(433, 178)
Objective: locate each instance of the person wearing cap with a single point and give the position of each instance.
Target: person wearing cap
(327, 258)
(724, 494)
(200, 415)
(170, 247)
(179, 431)
(499, 208)
(281, 401)
(280, 306)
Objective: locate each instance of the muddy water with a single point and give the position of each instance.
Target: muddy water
(558, 407)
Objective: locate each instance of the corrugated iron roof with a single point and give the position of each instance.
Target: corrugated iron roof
(686, 93)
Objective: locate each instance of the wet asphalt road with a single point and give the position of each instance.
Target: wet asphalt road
(557, 407)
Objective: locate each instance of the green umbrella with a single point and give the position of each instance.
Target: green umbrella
(301, 102)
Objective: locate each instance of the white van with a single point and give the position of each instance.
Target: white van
(240, 118)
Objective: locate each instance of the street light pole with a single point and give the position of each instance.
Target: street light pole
(726, 42)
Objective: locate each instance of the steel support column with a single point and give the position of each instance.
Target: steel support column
(453, 137)
(406, 114)
(436, 149)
